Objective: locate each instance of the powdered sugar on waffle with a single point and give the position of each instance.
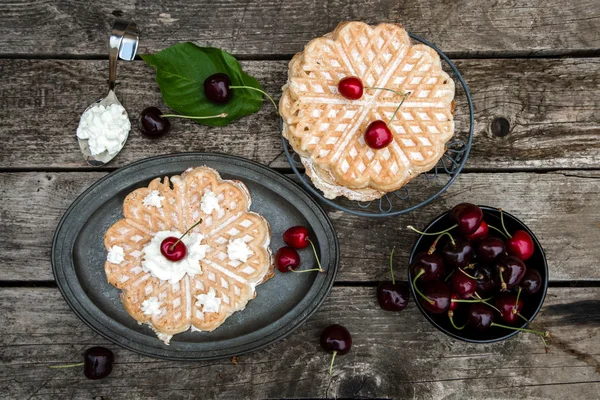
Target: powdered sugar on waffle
(229, 282)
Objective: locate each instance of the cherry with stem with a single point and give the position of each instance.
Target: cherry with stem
(392, 296)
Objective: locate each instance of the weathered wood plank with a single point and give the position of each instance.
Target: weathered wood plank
(68, 27)
(551, 106)
(563, 209)
(393, 356)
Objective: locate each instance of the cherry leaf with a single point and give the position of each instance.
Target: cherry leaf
(180, 73)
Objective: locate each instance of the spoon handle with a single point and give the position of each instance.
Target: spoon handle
(114, 44)
(123, 43)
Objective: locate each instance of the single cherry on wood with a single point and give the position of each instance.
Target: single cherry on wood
(153, 124)
(392, 296)
(337, 340)
(351, 87)
(97, 363)
(287, 259)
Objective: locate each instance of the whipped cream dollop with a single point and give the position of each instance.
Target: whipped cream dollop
(116, 255)
(209, 203)
(105, 128)
(238, 250)
(151, 306)
(173, 271)
(153, 199)
(209, 301)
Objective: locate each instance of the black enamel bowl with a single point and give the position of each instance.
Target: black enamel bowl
(532, 304)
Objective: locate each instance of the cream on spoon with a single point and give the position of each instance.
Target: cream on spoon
(104, 125)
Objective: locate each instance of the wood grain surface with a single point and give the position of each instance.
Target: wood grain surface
(274, 28)
(394, 355)
(534, 73)
(551, 106)
(561, 208)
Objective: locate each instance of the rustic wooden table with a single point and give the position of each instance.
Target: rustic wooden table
(531, 64)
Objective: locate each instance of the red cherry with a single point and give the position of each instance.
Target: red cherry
(509, 307)
(287, 259)
(296, 237)
(480, 233)
(172, 251)
(453, 304)
(520, 245)
(378, 135)
(351, 88)
(467, 216)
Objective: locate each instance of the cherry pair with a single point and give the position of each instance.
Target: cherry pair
(378, 134)
(217, 89)
(287, 258)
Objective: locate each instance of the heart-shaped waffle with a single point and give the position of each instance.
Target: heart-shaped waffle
(175, 205)
(327, 130)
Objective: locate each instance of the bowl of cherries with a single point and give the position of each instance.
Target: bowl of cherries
(478, 274)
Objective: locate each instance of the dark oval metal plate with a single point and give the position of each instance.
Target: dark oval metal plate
(282, 304)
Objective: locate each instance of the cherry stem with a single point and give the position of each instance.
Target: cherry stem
(316, 256)
(332, 360)
(421, 272)
(412, 228)
(470, 276)
(471, 301)
(398, 108)
(498, 230)
(66, 366)
(222, 115)
(186, 232)
(503, 286)
(485, 301)
(542, 334)
(449, 276)
(391, 267)
(437, 239)
(517, 301)
(305, 270)
(451, 317)
(502, 221)
(258, 90)
(522, 317)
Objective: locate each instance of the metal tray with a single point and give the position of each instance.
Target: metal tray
(282, 304)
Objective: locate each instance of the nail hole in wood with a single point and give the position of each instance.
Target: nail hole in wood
(500, 126)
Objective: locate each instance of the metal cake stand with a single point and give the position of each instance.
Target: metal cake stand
(421, 190)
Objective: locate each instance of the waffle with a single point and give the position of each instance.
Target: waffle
(233, 282)
(327, 130)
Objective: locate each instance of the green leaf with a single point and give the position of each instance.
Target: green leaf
(180, 72)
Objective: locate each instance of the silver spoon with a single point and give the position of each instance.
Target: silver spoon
(123, 44)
